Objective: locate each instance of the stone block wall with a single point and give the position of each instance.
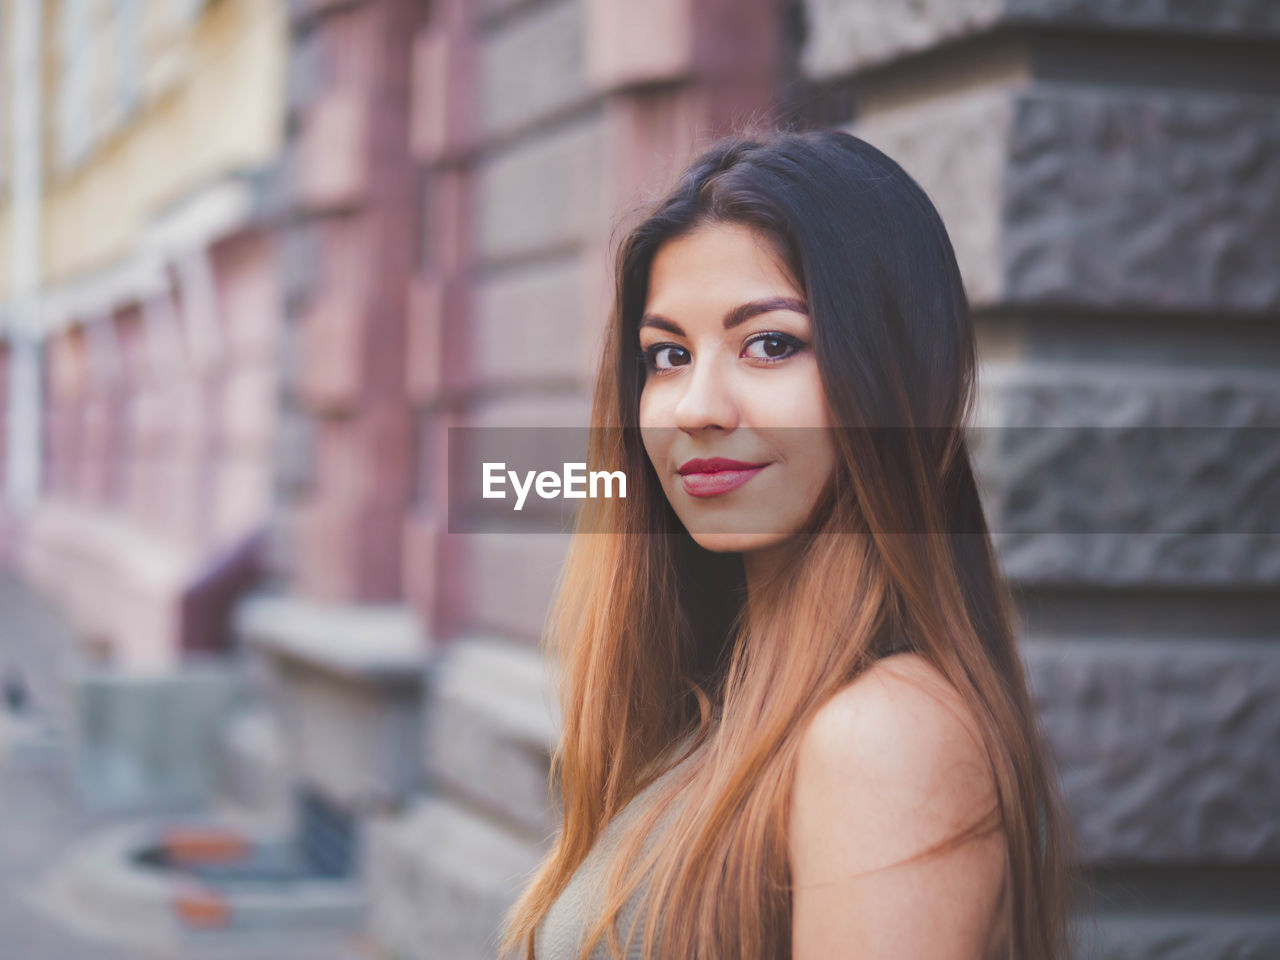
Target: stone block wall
(536, 126)
(1109, 175)
(348, 229)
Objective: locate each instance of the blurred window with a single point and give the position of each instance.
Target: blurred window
(187, 11)
(75, 82)
(128, 55)
(6, 94)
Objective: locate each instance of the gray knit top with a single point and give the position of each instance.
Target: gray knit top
(563, 930)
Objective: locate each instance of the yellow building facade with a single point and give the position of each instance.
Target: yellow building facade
(142, 103)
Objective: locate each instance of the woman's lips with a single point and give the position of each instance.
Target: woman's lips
(720, 481)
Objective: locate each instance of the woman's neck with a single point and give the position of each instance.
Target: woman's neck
(762, 566)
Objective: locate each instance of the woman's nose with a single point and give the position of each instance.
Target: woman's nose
(707, 400)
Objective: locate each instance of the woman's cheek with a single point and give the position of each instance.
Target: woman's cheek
(655, 434)
(785, 404)
(657, 406)
(646, 412)
(801, 403)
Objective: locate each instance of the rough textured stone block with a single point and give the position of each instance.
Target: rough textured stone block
(1143, 201)
(1116, 199)
(956, 147)
(531, 68)
(1183, 936)
(491, 725)
(847, 35)
(1237, 17)
(542, 195)
(1160, 477)
(1167, 751)
(851, 35)
(440, 880)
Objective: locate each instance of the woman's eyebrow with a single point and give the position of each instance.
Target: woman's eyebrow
(738, 315)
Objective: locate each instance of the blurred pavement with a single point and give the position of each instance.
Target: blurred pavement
(40, 818)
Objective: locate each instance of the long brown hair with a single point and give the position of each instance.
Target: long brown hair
(655, 639)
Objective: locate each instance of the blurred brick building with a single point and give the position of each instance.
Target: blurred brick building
(139, 138)
(282, 248)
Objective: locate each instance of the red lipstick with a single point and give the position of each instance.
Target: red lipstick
(708, 478)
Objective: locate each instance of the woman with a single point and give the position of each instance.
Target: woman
(796, 722)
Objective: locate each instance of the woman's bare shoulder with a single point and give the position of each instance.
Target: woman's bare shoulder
(889, 767)
(901, 725)
(901, 699)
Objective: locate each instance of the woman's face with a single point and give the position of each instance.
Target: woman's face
(730, 372)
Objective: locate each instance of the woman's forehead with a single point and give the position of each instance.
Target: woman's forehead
(716, 260)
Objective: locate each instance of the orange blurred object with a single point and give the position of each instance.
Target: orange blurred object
(190, 846)
(202, 909)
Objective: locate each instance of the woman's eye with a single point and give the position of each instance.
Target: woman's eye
(774, 346)
(651, 355)
(770, 348)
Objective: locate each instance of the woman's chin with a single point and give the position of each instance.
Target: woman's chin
(733, 542)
